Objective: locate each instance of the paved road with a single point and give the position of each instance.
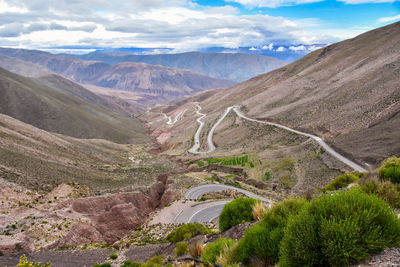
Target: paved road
(194, 149)
(171, 121)
(211, 146)
(207, 214)
(327, 148)
(197, 192)
(202, 211)
(211, 209)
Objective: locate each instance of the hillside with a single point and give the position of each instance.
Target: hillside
(58, 105)
(163, 83)
(347, 93)
(154, 79)
(22, 67)
(235, 67)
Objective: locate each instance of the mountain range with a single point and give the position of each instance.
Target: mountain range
(236, 67)
(157, 81)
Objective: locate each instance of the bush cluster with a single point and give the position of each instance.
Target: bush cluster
(343, 181)
(181, 248)
(390, 170)
(263, 239)
(156, 261)
(339, 230)
(188, 231)
(235, 212)
(213, 250)
(386, 191)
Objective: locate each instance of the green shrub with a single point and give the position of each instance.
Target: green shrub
(235, 212)
(113, 256)
(107, 264)
(390, 170)
(213, 250)
(24, 262)
(386, 191)
(187, 231)
(263, 239)
(181, 248)
(343, 181)
(338, 230)
(156, 261)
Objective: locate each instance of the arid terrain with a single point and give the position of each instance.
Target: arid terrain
(94, 163)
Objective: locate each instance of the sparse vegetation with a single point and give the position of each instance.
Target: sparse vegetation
(107, 264)
(235, 212)
(390, 170)
(258, 210)
(113, 256)
(196, 249)
(187, 231)
(181, 248)
(24, 262)
(386, 191)
(156, 261)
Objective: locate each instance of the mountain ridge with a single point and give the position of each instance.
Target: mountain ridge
(167, 82)
(236, 67)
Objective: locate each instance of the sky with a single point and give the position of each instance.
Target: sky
(187, 25)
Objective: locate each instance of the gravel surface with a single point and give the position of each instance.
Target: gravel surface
(389, 257)
(66, 258)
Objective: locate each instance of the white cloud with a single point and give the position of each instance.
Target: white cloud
(179, 24)
(297, 48)
(253, 49)
(272, 3)
(280, 49)
(354, 2)
(9, 8)
(268, 47)
(389, 19)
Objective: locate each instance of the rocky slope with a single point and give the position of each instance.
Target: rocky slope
(160, 82)
(58, 105)
(235, 67)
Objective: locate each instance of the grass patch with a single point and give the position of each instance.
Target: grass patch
(188, 231)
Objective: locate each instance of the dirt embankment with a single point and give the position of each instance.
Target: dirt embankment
(44, 223)
(112, 217)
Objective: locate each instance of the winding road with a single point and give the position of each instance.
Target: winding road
(209, 210)
(211, 146)
(171, 122)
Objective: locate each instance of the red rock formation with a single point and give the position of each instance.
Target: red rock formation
(112, 217)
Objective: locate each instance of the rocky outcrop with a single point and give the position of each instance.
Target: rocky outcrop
(112, 217)
(15, 244)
